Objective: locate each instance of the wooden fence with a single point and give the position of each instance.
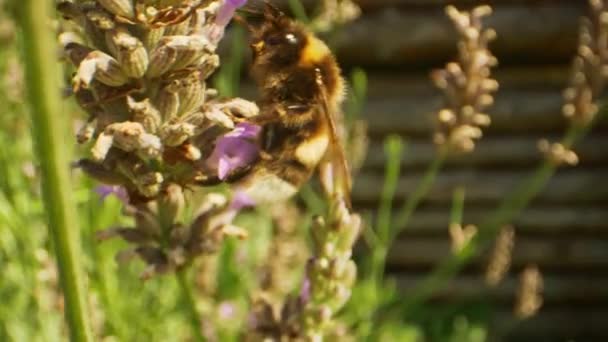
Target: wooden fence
(564, 231)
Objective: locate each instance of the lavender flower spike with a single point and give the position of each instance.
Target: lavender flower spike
(235, 149)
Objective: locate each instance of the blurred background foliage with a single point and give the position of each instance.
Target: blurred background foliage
(386, 67)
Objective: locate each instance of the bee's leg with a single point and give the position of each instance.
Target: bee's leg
(264, 118)
(233, 176)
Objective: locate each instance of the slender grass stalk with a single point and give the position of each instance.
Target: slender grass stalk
(166, 218)
(298, 11)
(190, 302)
(421, 190)
(49, 129)
(508, 209)
(457, 206)
(393, 147)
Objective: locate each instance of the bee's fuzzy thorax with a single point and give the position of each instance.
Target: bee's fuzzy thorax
(301, 90)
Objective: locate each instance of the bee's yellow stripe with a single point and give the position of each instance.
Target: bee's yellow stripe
(314, 52)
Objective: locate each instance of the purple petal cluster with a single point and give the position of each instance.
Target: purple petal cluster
(241, 200)
(223, 17)
(235, 149)
(227, 10)
(105, 190)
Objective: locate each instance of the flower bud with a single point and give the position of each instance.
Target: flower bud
(102, 67)
(129, 51)
(172, 203)
(123, 8)
(144, 113)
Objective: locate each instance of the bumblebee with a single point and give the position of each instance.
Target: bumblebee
(301, 90)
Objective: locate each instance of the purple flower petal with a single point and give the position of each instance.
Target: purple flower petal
(226, 310)
(305, 290)
(105, 190)
(245, 130)
(241, 200)
(234, 150)
(223, 167)
(215, 31)
(226, 12)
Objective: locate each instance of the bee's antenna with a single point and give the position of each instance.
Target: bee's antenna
(242, 21)
(251, 11)
(274, 11)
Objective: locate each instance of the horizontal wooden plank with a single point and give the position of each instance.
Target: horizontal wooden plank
(513, 112)
(417, 83)
(426, 37)
(489, 186)
(560, 324)
(538, 220)
(491, 151)
(558, 288)
(570, 253)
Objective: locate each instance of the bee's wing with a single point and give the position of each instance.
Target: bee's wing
(335, 156)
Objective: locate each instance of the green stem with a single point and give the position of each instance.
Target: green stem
(49, 130)
(393, 148)
(509, 208)
(190, 302)
(421, 190)
(457, 211)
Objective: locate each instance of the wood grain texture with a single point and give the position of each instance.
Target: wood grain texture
(392, 37)
(573, 323)
(558, 288)
(574, 186)
(514, 112)
(536, 220)
(510, 151)
(546, 252)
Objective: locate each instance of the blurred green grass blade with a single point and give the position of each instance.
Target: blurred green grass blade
(457, 211)
(49, 132)
(298, 11)
(228, 79)
(421, 190)
(189, 302)
(357, 95)
(393, 148)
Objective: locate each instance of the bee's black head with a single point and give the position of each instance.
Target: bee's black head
(276, 40)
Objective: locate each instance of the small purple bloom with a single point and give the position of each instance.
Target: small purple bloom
(245, 130)
(227, 10)
(241, 200)
(235, 149)
(105, 190)
(226, 310)
(224, 14)
(305, 290)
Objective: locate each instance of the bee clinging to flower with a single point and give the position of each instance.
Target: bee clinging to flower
(301, 93)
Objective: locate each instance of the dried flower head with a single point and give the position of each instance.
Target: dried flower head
(153, 128)
(557, 153)
(331, 272)
(466, 84)
(590, 66)
(529, 296)
(460, 236)
(500, 261)
(334, 13)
